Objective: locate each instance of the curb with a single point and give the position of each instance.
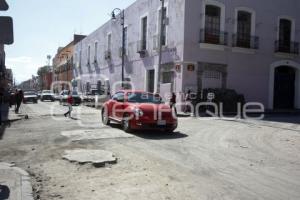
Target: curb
(26, 188)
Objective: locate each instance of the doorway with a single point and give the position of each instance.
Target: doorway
(284, 87)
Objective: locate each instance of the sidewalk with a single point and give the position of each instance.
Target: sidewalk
(9, 115)
(16, 181)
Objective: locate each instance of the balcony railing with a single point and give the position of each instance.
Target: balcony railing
(212, 36)
(250, 42)
(286, 47)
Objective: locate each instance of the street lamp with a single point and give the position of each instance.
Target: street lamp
(160, 45)
(121, 16)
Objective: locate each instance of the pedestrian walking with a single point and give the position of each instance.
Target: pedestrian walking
(19, 99)
(69, 102)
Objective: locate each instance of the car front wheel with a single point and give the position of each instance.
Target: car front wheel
(105, 117)
(126, 123)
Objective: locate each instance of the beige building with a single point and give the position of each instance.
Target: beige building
(63, 64)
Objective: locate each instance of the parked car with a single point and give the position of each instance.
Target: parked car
(39, 94)
(30, 96)
(96, 98)
(64, 97)
(56, 97)
(82, 97)
(138, 110)
(47, 95)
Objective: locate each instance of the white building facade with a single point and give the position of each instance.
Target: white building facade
(245, 45)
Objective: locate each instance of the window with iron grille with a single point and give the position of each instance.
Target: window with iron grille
(212, 24)
(244, 29)
(285, 31)
(167, 77)
(212, 75)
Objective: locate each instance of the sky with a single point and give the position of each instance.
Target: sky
(41, 26)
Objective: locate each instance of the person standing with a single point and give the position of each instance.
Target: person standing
(173, 102)
(19, 99)
(70, 103)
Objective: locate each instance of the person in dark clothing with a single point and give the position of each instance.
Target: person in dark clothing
(19, 99)
(173, 100)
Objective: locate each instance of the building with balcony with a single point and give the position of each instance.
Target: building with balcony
(248, 46)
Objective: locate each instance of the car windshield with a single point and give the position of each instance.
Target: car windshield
(29, 93)
(136, 97)
(74, 93)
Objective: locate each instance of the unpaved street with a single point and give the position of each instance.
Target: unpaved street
(205, 159)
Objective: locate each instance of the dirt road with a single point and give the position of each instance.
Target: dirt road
(205, 159)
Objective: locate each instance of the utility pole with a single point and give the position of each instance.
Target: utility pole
(160, 45)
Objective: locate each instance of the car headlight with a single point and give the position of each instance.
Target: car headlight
(138, 112)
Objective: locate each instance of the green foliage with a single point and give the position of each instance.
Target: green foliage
(43, 70)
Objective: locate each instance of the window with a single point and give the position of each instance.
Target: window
(167, 77)
(80, 55)
(285, 33)
(212, 24)
(96, 51)
(89, 54)
(164, 30)
(144, 33)
(243, 29)
(109, 42)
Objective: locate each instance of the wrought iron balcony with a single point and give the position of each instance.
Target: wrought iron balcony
(243, 41)
(286, 47)
(213, 36)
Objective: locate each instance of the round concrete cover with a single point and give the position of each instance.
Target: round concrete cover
(96, 157)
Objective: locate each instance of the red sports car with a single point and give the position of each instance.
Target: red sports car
(138, 110)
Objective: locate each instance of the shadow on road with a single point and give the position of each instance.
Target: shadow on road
(159, 135)
(154, 134)
(284, 118)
